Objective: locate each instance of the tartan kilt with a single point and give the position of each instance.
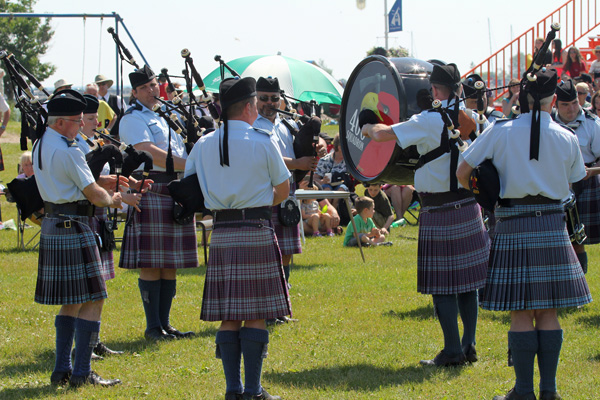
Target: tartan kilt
(108, 263)
(244, 277)
(69, 266)
(532, 263)
(287, 236)
(588, 207)
(153, 239)
(453, 249)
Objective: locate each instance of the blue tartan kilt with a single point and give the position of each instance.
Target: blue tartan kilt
(588, 207)
(108, 264)
(153, 239)
(453, 249)
(69, 266)
(244, 277)
(532, 263)
(288, 237)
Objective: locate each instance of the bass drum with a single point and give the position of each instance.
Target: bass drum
(394, 89)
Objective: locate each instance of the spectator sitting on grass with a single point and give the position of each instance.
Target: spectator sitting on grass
(314, 218)
(384, 215)
(367, 231)
(325, 205)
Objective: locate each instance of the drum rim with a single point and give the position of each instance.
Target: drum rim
(350, 165)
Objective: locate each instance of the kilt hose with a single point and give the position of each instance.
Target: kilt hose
(69, 266)
(244, 276)
(108, 263)
(288, 237)
(532, 263)
(588, 207)
(453, 249)
(153, 239)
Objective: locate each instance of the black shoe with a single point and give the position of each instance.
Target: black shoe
(158, 334)
(93, 379)
(234, 396)
(444, 360)
(285, 319)
(470, 353)
(179, 335)
(513, 395)
(95, 357)
(274, 321)
(60, 378)
(102, 350)
(262, 396)
(545, 395)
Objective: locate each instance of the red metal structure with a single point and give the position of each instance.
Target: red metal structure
(577, 19)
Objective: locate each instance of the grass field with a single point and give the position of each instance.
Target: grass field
(361, 332)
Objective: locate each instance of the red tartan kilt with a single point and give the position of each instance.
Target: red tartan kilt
(244, 277)
(153, 239)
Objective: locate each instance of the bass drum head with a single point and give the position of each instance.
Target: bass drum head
(394, 89)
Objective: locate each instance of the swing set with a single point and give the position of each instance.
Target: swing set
(118, 22)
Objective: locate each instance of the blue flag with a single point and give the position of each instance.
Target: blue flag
(395, 17)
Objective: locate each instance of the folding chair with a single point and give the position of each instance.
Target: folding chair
(21, 245)
(205, 225)
(412, 213)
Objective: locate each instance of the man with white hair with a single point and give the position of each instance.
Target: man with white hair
(106, 116)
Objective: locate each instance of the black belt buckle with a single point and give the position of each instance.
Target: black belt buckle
(64, 224)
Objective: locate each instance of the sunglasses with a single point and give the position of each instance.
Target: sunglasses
(73, 120)
(274, 99)
(580, 93)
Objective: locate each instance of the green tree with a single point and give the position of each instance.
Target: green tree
(391, 52)
(321, 64)
(26, 38)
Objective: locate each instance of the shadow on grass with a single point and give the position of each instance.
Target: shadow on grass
(595, 358)
(30, 393)
(407, 237)
(420, 313)
(15, 250)
(592, 321)
(44, 362)
(360, 377)
(307, 266)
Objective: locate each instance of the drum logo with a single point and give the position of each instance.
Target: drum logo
(354, 135)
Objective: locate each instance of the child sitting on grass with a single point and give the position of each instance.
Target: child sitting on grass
(314, 219)
(367, 231)
(384, 215)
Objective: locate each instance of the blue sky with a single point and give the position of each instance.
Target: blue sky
(334, 31)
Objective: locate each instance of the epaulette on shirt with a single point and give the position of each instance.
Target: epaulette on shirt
(495, 113)
(589, 115)
(70, 142)
(133, 108)
(263, 131)
(502, 120)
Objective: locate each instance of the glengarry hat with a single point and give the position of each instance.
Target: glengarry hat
(141, 76)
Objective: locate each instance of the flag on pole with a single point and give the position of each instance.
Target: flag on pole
(395, 17)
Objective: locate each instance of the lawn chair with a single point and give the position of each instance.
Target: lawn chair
(412, 213)
(205, 225)
(21, 225)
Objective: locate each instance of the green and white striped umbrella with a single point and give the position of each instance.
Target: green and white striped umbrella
(297, 78)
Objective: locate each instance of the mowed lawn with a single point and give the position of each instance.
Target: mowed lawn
(362, 329)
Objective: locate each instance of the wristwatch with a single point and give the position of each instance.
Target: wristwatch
(3, 127)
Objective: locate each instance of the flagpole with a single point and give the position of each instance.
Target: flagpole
(385, 15)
